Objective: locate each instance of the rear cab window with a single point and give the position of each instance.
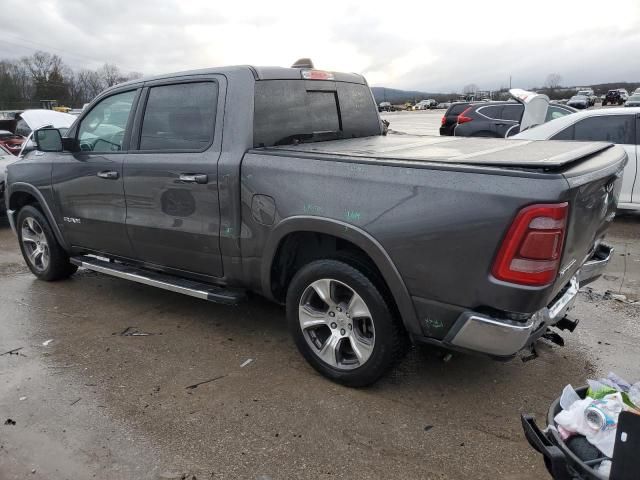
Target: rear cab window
(287, 111)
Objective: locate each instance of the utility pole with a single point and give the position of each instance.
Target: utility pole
(509, 82)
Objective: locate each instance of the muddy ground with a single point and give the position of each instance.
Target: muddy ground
(96, 403)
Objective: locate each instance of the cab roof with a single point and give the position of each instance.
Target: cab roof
(259, 73)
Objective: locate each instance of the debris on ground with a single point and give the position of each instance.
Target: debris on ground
(9, 421)
(594, 418)
(593, 296)
(23, 399)
(75, 401)
(196, 385)
(47, 342)
(428, 427)
(15, 351)
(134, 332)
(246, 362)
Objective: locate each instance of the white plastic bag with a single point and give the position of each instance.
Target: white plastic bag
(609, 408)
(568, 397)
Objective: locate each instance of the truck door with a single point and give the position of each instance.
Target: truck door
(87, 184)
(170, 179)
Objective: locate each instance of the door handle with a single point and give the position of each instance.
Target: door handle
(194, 178)
(108, 174)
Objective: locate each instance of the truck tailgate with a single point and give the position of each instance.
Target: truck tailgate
(547, 155)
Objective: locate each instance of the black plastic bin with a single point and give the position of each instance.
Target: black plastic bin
(561, 462)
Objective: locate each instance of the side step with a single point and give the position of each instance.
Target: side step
(201, 290)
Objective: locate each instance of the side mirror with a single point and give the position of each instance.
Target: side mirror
(48, 140)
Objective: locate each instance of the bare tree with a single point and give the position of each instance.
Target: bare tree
(471, 89)
(553, 81)
(110, 75)
(132, 76)
(91, 84)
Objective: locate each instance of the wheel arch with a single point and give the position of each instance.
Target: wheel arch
(26, 194)
(347, 233)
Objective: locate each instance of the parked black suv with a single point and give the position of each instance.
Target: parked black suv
(614, 97)
(450, 117)
(499, 119)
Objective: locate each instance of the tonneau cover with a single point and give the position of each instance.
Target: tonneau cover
(474, 151)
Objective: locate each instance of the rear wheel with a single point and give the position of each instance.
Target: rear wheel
(40, 249)
(341, 323)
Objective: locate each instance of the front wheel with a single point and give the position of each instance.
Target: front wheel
(40, 249)
(342, 324)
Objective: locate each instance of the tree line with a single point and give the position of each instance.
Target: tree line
(44, 76)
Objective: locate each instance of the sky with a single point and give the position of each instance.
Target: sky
(429, 46)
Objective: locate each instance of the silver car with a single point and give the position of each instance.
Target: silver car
(634, 100)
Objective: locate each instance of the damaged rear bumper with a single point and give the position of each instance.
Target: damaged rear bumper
(501, 337)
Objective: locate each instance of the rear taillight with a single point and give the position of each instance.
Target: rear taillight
(462, 118)
(444, 120)
(531, 251)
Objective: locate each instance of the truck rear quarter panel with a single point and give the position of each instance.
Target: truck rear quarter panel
(441, 227)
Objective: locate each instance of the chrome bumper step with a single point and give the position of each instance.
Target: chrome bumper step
(192, 288)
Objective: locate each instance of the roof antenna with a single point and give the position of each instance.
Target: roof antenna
(303, 63)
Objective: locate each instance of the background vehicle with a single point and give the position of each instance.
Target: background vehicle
(279, 181)
(500, 119)
(450, 117)
(579, 102)
(6, 157)
(11, 141)
(634, 101)
(425, 104)
(615, 125)
(614, 97)
(588, 92)
(386, 107)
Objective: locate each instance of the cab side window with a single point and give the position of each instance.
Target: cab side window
(180, 117)
(104, 127)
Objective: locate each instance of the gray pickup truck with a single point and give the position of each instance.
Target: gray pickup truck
(280, 181)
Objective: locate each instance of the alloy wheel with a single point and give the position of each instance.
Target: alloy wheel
(35, 244)
(337, 324)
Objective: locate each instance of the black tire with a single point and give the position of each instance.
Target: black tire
(58, 266)
(389, 342)
(604, 104)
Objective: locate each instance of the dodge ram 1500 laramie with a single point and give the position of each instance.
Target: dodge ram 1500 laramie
(279, 181)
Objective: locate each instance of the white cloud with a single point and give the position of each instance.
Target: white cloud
(406, 44)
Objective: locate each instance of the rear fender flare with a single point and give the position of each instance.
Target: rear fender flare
(358, 237)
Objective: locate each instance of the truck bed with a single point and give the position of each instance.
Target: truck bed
(471, 151)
